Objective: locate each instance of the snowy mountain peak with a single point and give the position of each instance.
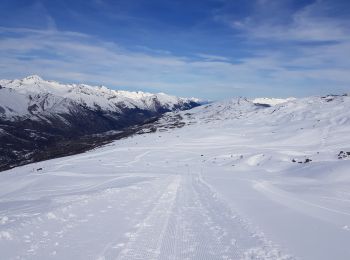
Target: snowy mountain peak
(32, 78)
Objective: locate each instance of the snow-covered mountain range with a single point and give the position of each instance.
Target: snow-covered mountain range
(37, 115)
(227, 180)
(34, 97)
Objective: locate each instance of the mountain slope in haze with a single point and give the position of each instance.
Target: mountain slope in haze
(238, 181)
(41, 119)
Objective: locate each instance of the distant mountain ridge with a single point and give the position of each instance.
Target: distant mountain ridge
(33, 96)
(37, 115)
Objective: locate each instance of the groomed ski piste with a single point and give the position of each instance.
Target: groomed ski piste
(238, 181)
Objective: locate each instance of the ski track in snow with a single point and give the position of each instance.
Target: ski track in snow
(182, 218)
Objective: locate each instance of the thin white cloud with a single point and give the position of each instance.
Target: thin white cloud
(76, 57)
(70, 56)
(210, 57)
(310, 23)
(305, 47)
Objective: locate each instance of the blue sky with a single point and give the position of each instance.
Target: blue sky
(210, 49)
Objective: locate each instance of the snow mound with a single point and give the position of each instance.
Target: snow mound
(272, 101)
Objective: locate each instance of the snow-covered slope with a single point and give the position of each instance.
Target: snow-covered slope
(33, 95)
(237, 181)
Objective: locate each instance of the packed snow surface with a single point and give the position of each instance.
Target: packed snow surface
(238, 181)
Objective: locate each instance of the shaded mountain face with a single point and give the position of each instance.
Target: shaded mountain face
(42, 119)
